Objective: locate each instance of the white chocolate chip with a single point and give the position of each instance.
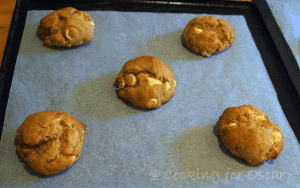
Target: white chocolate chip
(198, 30)
(121, 84)
(72, 158)
(153, 81)
(57, 123)
(150, 103)
(232, 124)
(71, 32)
(67, 34)
(167, 85)
(145, 80)
(276, 136)
(260, 117)
(57, 119)
(130, 79)
(92, 23)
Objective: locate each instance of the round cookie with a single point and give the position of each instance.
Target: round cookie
(66, 27)
(50, 141)
(248, 133)
(207, 35)
(146, 82)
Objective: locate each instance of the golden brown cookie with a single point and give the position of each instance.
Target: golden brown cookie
(66, 27)
(248, 133)
(146, 82)
(50, 141)
(207, 35)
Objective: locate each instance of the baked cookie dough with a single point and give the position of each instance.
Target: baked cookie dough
(146, 82)
(66, 27)
(248, 133)
(207, 35)
(50, 141)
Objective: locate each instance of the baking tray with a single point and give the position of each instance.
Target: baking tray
(277, 58)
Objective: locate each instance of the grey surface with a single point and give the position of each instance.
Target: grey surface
(287, 16)
(129, 147)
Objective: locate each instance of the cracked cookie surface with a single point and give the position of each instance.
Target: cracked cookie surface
(66, 27)
(146, 82)
(50, 141)
(207, 35)
(248, 133)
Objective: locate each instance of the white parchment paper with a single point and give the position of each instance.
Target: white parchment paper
(174, 145)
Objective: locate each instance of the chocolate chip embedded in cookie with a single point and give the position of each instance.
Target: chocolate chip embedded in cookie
(50, 141)
(146, 82)
(66, 27)
(248, 133)
(207, 35)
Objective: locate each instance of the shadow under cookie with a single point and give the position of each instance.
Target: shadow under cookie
(170, 46)
(85, 45)
(226, 151)
(97, 98)
(197, 151)
(33, 173)
(127, 103)
(38, 35)
(189, 50)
